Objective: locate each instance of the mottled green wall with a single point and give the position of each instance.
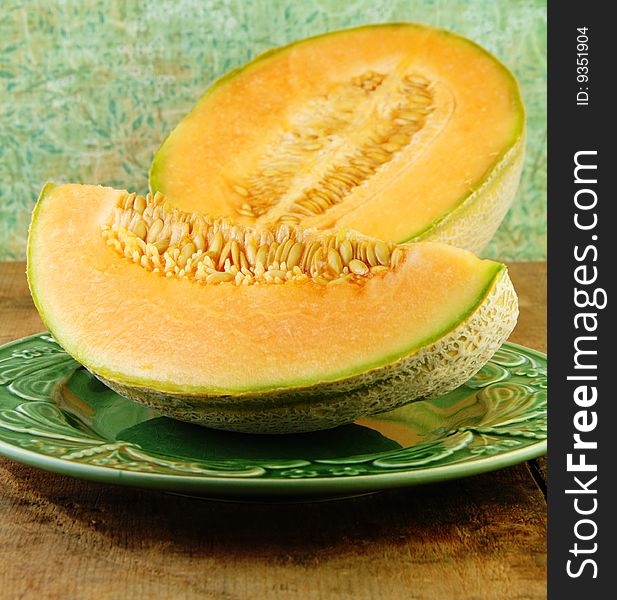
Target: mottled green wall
(88, 89)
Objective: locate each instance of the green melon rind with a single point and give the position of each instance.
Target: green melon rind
(467, 225)
(432, 371)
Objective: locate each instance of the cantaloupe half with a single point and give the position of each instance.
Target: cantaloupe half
(271, 329)
(400, 131)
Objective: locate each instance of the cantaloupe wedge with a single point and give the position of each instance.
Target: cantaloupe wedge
(271, 329)
(399, 131)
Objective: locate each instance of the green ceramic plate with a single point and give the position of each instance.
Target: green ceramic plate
(55, 415)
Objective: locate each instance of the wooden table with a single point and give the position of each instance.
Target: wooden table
(475, 538)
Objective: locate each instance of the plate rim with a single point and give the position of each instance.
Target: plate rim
(260, 486)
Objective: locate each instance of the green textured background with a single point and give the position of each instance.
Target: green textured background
(89, 89)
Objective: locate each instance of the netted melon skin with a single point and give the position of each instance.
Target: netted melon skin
(473, 224)
(432, 371)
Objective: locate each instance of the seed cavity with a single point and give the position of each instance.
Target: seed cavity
(173, 243)
(334, 144)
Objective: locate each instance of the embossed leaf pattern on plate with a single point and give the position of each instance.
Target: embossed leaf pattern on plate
(49, 405)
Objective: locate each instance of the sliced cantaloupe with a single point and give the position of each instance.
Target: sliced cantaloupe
(399, 131)
(269, 329)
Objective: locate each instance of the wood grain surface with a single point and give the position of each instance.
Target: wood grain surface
(476, 538)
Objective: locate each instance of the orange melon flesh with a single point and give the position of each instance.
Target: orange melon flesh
(132, 325)
(472, 135)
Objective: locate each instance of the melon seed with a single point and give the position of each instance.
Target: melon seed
(295, 253)
(396, 257)
(245, 212)
(199, 241)
(382, 253)
(216, 243)
(235, 252)
(140, 204)
(225, 252)
(161, 245)
(287, 246)
(219, 277)
(251, 252)
(241, 190)
(357, 267)
(262, 255)
(334, 261)
(187, 251)
(140, 229)
(128, 201)
(154, 231)
(278, 255)
(272, 253)
(370, 255)
(346, 251)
